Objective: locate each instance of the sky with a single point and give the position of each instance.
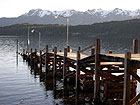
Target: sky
(14, 8)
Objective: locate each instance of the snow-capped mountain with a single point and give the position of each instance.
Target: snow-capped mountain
(39, 16)
(41, 13)
(68, 13)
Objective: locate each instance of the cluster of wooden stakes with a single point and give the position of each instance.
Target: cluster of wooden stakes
(97, 78)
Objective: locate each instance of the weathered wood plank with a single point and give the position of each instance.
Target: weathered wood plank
(135, 99)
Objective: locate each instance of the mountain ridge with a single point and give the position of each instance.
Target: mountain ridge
(39, 16)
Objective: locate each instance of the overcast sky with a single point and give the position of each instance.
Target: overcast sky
(14, 8)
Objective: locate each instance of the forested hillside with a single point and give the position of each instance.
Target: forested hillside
(129, 28)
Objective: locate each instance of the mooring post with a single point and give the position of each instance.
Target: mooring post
(97, 70)
(54, 66)
(126, 90)
(64, 65)
(134, 51)
(46, 62)
(68, 48)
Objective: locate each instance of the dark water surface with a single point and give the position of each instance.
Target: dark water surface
(19, 87)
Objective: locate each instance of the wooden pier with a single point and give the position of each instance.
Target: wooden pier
(97, 78)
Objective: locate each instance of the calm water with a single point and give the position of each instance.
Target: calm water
(19, 87)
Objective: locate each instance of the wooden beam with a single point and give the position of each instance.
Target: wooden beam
(135, 99)
(126, 91)
(97, 69)
(135, 75)
(88, 48)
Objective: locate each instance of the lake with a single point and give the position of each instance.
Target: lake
(19, 87)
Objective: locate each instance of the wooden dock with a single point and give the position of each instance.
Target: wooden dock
(99, 77)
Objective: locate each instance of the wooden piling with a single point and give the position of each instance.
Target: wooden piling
(54, 66)
(77, 76)
(135, 46)
(17, 46)
(126, 90)
(35, 63)
(35, 51)
(31, 59)
(97, 70)
(46, 62)
(64, 65)
(77, 68)
(92, 52)
(110, 51)
(68, 48)
(134, 51)
(40, 71)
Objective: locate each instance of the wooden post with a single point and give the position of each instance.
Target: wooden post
(17, 47)
(31, 50)
(110, 51)
(135, 46)
(31, 60)
(54, 66)
(35, 51)
(77, 76)
(92, 51)
(64, 65)
(17, 53)
(77, 69)
(35, 63)
(134, 51)
(97, 70)
(79, 48)
(40, 71)
(46, 63)
(126, 91)
(68, 48)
